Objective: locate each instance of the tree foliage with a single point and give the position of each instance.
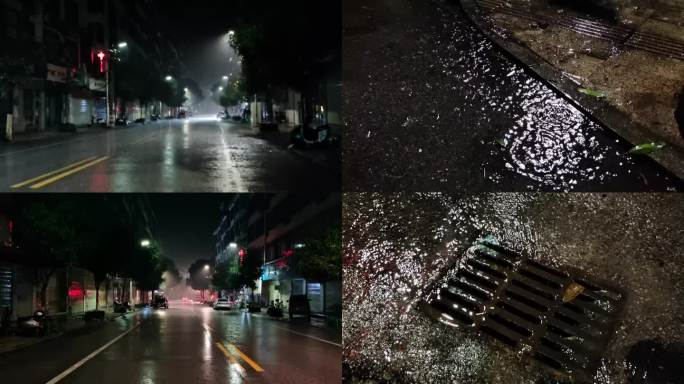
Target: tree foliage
(282, 44)
(199, 276)
(321, 258)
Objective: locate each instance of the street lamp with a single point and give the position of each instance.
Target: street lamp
(123, 44)
(225, 78)
(220, 88)
(233, 245)
(185, 90)
(206, 267)
(169, 78)
(144, 243)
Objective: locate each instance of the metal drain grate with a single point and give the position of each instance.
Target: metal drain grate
(618, 34)
(517, 301)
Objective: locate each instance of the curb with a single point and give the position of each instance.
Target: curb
(598, 111)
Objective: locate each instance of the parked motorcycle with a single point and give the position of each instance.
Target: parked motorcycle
(33, 325)
(275, 309)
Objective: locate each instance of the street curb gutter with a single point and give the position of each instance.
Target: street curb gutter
(600, 112)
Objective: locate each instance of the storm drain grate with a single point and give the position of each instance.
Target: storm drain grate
(559, 318)
(618, 34)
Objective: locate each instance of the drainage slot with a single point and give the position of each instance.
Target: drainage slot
(452, 312)
(491, 284)
(524, 315)
(496, 260)
(532, 289)
(566, 319)
(459, 300)
(548, 270)
(549, 361)
(526, 301)
(540, 279)
(487, 269)
(499, 336)
(471, 289)
(511, 325)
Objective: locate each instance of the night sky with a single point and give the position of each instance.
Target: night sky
(199, 34)
(184, 225)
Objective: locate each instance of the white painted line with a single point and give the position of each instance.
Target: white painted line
(74, 367)
(310, 337)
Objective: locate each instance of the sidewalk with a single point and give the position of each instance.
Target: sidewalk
(49, 135)
(631, 52)
(329, 158)
(13, 343)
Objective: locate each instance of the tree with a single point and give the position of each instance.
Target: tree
(200, 275)
(249, 271)
(233, 93)
(47, 230)
(321, 257)
(283, 46)
(223, 279)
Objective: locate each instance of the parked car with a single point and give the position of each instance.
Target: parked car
(299, 305)
(221, 116)
(223, 304)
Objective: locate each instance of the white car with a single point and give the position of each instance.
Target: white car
(222, 304)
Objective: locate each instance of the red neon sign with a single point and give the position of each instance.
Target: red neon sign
(75, 290)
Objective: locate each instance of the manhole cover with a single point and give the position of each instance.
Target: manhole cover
(560, 318)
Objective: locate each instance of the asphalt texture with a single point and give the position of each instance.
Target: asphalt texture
(194, 155)
(179, 345)
(432, 105)
(397, 245)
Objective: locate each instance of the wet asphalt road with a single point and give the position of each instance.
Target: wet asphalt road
(395, 246)
(432, 105)
(179, 345)
(195, 155)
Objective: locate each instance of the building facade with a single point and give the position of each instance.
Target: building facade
(273, 228)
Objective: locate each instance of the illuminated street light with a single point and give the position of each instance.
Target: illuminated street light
(233, 245)
(220, 88)
(231, 33)
(185, 89)
(144, 243)
(225, 78)
(169, 78)
(123, 44)
(206, 267)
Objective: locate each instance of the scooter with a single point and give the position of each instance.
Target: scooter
(275, 310)
(34, 325)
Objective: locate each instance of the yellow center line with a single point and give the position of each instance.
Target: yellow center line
(68, 173)
(246, 358)
(27, 182)
(233, 361)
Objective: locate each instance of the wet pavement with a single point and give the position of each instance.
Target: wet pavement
(184, 344)
(397, 245)
(432, 105)
(195, 155)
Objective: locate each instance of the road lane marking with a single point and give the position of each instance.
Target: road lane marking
(246, 358)
(232, 347)
(311, 337)
(74, 367)
(233, 361)
(76, 164)
(69, 173)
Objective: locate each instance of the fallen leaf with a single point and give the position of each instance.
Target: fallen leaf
(647, 148)
(571, 291)
(501, 142)
(592, 92)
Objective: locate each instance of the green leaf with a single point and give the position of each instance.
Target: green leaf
(647, 148)
(592, 92)
(501, 142)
